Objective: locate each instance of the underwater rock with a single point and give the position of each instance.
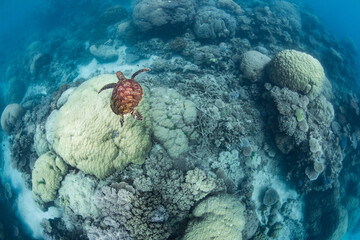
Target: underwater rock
(252, 64)
(104, 53)
(11, 114)
(270, 197)
(16, 90)
(38, 63)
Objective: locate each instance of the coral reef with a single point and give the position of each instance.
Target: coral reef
(242, 130)
(163, 15)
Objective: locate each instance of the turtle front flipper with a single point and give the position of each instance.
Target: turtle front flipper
(138, 72)
(136, 115)
(107, 86)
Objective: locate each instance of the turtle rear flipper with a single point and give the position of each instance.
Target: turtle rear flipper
(136, 115)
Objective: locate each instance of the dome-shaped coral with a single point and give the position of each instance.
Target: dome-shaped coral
(89, 136)
(47, 175)
(10, 115)
(297, 71)
(217, 217)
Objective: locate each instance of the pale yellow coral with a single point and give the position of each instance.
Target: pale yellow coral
(47, 175)
(200, 184)
(297, 71)
(218, 218)
(89, 136)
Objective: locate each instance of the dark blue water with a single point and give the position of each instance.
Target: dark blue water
(341, 17)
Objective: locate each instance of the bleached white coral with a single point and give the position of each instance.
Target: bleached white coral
(77, 194)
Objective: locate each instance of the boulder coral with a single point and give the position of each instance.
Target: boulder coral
(297, 71)
(10, 115)
(252, 64)
(217, 217)
(47, 175)
(88, 135)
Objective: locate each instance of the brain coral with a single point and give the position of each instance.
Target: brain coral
(47, 175)
(218, 218)
(297, 71)
(88, 135)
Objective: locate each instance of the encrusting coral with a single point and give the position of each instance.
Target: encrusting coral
(173, 119)
(77, 195)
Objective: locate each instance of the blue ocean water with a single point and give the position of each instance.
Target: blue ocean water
(187, 119)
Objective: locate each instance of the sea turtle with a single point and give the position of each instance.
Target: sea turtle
(127, 94)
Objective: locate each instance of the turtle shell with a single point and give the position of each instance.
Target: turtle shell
(126, 96)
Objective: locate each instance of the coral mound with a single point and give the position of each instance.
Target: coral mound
(297, 71)
(47, 175)
(10, 115)
(88, 135)
(218, 217)
(252, 64)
